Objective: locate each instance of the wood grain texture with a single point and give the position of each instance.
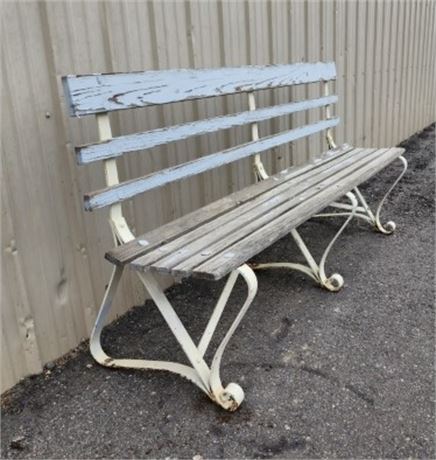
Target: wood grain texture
(195, 248)
(244, 249)
(129, 189)
(166, 233)
(149, 139)
(96, 93)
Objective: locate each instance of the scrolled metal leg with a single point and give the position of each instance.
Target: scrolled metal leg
(316, 271)
(390, 226)
(336, 281)
(207, 379)
(105, 360)
(364, 211)
(232, 395)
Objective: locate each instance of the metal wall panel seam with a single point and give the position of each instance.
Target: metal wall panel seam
(76, 252)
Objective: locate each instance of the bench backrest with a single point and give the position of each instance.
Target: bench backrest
(98, 94)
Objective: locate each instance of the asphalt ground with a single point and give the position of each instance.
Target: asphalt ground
(346, 375)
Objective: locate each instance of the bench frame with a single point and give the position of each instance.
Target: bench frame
(206, 377)
(357, 208)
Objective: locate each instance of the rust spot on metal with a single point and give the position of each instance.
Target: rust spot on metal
(108, 361)
(253, 265)
(234, 405)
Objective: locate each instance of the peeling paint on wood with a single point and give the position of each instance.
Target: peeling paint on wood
(96, 93)
(129, 189)
(146, 140)
(166, 233)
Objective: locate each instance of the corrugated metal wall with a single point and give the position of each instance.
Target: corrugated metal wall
(52, 262)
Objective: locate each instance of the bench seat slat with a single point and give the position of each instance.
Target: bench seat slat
(206, 252)
(139, 141)
(243, 250)
(162, 235)
(97, 93)
(244, 216)
(129, 189)
(287, 204)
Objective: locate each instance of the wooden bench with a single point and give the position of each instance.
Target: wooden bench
(220, 238)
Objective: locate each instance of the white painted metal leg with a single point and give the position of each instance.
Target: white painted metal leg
(315, 271)
(346, 208)
(217, 312)
(102, 358)
(176, 326)
(207, 379)
(312, 269)
(335, 282)
(390, 226)
(232, 395)
(364, 211)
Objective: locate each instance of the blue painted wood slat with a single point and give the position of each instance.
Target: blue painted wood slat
(97, 93)
(129, 189)
(146, 140)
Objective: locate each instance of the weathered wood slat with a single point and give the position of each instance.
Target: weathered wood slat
(219, 240)
(129, 189)
(246, 225)
(225, 226)
(203, 243)
(96, 93)
(149, 139)
(134, 249)
(240, 252)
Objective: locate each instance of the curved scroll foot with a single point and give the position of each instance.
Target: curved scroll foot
(334, 283)
(387, 228)
(231, 397)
